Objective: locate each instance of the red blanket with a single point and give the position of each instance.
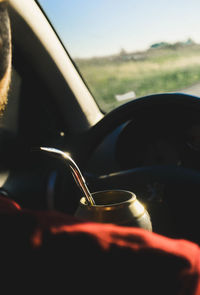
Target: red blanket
(53, 249)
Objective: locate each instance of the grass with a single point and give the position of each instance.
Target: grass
(157, 70)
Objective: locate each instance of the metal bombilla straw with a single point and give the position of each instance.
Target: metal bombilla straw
(75, 172)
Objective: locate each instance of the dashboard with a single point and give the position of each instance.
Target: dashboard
(160, 140)
(151, 138)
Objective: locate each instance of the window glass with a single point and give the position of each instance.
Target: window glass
(125, 49)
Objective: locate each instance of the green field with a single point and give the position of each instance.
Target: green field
(163, 69)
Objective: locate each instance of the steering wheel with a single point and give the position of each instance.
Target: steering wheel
(174, 210)
(175, 190)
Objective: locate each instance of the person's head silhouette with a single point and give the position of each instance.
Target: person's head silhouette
(5, 54)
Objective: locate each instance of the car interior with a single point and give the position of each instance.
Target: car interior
(149, 146)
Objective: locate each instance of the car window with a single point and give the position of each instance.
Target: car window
(128, 49)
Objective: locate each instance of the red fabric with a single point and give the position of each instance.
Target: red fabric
(8, 205)
(95, 257)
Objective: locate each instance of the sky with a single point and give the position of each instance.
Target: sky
(91, 28)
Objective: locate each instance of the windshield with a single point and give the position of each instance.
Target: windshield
(125, 49)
